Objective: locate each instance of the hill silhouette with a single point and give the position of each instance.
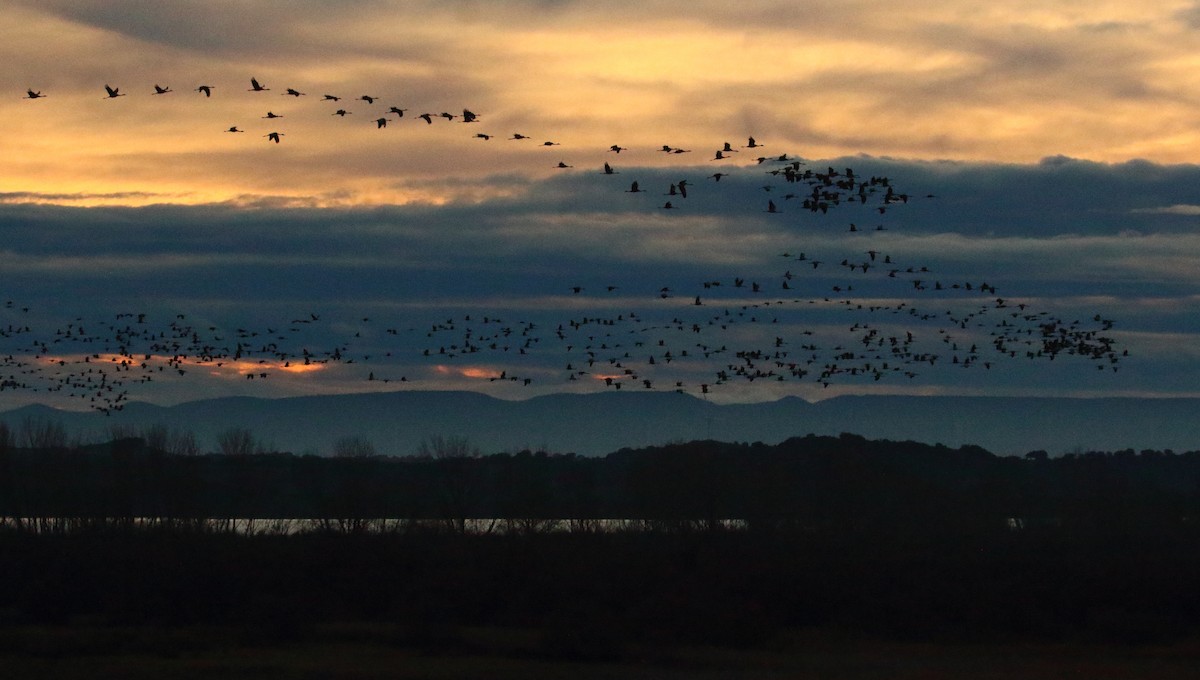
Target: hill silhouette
(595, 424)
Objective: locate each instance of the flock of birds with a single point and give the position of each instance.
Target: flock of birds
(276, 136)
(804, 321)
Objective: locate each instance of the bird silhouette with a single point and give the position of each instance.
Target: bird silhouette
(397, 110)
(162, 90)
(30, 94)
(113, 92)
(427, 117)
(205, 89)
(234, 129)
(293, 92)
(381, 123)
(368, 99)
(256, 87)
(273, 136)
(469, 116)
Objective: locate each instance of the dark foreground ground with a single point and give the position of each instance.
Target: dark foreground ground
(1029, 604)
(378, 651)
(851, 559)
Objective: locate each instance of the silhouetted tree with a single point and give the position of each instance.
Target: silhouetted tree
(236, 441)
(353, 447)
(458, 476)
(43, 433)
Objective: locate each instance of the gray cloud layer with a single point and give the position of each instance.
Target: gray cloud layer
(1069, 238)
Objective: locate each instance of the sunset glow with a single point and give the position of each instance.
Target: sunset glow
(740, 197)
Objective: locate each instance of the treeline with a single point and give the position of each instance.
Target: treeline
(807, 484)
(893, 539)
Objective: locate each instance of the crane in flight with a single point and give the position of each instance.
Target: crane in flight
(33, 95)
(206, 89)
(113, 92)
(256, 87)
(162, 90)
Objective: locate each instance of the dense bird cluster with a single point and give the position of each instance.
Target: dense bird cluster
(867, 316)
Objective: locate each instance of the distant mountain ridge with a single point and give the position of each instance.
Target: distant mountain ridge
(596, 424)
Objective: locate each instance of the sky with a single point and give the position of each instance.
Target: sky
(1018, 179)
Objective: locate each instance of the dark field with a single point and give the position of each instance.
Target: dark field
(850, 559)
(348, 651)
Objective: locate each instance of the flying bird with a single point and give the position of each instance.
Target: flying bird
(33, 95)
(256, 87)
(162, 90)
(397, 110)
(368, 98)
(206, 89)
(330, 98)
(294, 92)
(380, 123)
(113, 92)
(427, 117)
(273, 136)
(234, 129)
(468, 116)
